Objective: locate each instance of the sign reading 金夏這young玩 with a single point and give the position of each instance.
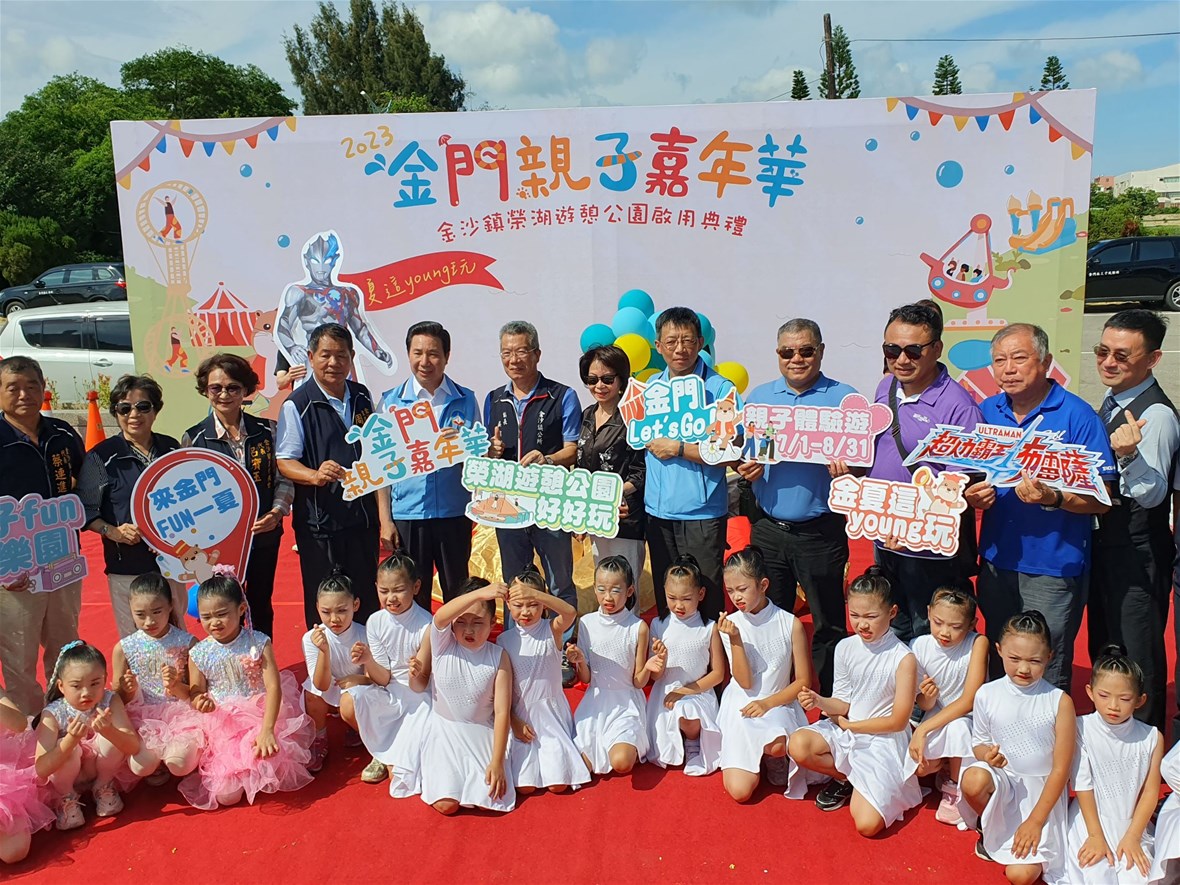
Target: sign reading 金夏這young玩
(922, 515)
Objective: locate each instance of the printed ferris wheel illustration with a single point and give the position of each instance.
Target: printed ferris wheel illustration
(172, 217)
(973, 289)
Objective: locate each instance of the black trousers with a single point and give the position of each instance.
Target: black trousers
(353, 551)
(444, 544)
(260, 581)
(914, 580)
(703, 539)
(813, 554)
(1129, 596)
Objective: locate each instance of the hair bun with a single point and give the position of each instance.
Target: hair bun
(1111, 649)
(687, 559)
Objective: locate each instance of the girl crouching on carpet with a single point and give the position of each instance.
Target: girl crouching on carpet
(863, 741)
(610, 724)
(256, 739)
(23, 806)
(84, 736)
(465, 751)
(149, 669)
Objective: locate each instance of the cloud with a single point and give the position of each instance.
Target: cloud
(979, 77)
(1116, 69)
(613, 59)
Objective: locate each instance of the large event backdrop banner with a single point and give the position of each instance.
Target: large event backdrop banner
(241, 235)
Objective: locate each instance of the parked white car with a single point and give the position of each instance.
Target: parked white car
(74, 343)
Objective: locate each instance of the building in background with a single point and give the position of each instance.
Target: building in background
(1165, 181)
(1105, 183)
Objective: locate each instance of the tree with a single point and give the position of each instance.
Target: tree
(799, 88)
(1053, 76)
(341, 66)
(847, 84)
(194, 85)
(29, 245)
(946, 77)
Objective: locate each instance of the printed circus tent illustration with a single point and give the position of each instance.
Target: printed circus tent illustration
(229, 321)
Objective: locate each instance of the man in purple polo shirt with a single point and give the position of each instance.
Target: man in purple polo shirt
(921, 395)
(1035, 540)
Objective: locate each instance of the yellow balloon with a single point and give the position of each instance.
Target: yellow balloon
(736, 373)
(647, 374)
(638, 351)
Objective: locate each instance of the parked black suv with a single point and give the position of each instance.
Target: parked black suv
(67, 284)
(1135, 269)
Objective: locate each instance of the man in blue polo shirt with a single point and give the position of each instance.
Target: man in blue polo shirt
(429, 510)
(802, 541)
(687, 500)
(921, 395)
(1035, 540)
(533, 420)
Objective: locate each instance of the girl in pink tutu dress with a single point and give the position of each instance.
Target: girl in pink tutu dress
(256, 740)
(84, 736)
(150, 673)
(23, 809)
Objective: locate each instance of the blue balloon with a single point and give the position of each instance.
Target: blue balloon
(193, 611)
(633, 320)
(707, 357)
(639, 299)
(707, 330)
(949, 174)
(596, 335)
(968, 355)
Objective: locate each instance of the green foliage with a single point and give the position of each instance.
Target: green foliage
(194, 85)
(344, 67)
(1100, 199)
(1117, 220)
(847, 83)
(1142, 200)
(1053, 77)
(946, 77)
(800, 91)
(29, 246)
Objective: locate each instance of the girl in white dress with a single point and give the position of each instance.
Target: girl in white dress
(863, 740)
(465, 749)
(331, 671)
(682, 724)
(760, 708)
(1116, 779)
(952, 665)
(1165, 866)
(1024, 733)
(391, 717)
(610, 724)
(542, 753)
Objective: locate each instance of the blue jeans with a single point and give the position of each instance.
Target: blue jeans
(557, 561)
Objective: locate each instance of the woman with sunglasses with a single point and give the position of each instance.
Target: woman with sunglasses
(227, 380)
(603, 446)
(105, 483)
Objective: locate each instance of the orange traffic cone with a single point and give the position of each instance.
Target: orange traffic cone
(47, 402)
(94, 432)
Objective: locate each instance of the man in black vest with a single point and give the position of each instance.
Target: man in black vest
(312, 453)
(1133, 548)
(43, 455)
(533, 420)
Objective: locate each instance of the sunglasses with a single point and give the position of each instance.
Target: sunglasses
(806, 351)
(913, 351)
(608, 380)
(231, 389)
(1120, 356)
(125, 409)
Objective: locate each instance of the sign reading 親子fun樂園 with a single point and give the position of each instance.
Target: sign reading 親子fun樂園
(39, 538)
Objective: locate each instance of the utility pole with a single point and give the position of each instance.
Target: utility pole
(829, 61)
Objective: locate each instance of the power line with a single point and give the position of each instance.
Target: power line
(1008, 39)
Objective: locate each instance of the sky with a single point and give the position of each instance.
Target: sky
(578, 53)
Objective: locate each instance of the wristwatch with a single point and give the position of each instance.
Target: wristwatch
(549, 459)
(1058, 499)
(1125, 461)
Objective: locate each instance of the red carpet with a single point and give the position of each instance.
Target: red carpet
(654, 826)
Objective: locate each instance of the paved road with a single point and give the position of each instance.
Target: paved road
(1167, 371)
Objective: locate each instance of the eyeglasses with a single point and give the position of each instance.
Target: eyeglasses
(608, 380)
(913, 351)
(686, 341)
(806, 351)
(125, 409)
(520, 353)
(1120, 356)
(232, 389)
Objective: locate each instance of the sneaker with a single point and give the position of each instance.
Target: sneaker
(948, 808)
(107, 801)
(69, 812)
(776, 770)
(319, 754)
(694, 765)
(835, 795)
(352, 739)
(568, 674)
(159, 776)
(374, 772)
(980, 851)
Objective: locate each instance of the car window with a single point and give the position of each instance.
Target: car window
(105, 273)
(90, 274)
(54, 278)
(1156, 250)
(31, 330)
(65, 332)
(1119, 254)
(112, 333)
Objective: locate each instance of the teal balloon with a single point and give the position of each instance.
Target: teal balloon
(639, 299)
(596, 335)
(656, 361)
(968, 355)
(707, 358)
(651, 324)
(707, 330)
(631, 320)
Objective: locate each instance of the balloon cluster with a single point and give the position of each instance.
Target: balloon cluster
(633, 330)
